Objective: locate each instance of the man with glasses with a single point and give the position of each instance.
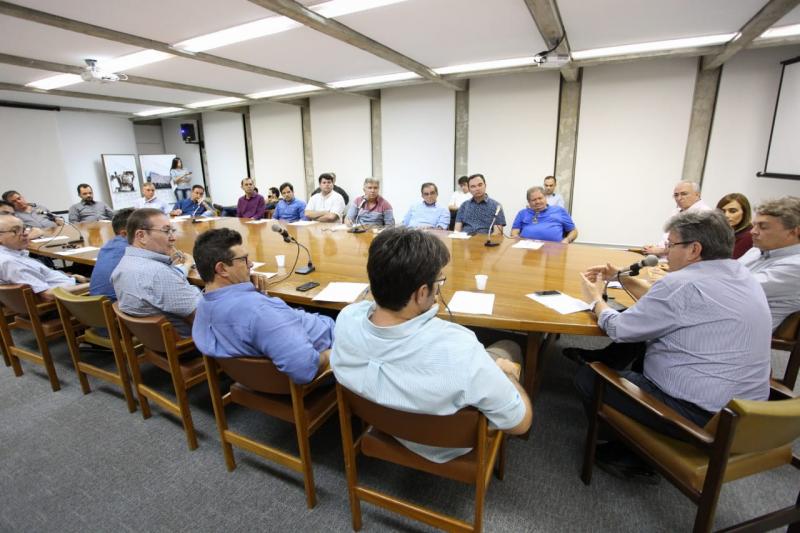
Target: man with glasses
(17, 267)
(234, 319)
(396, 352)
(427, 214)
(687, 199)
(150, 278)
(704, 331)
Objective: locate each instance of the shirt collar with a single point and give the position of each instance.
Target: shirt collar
(224, 292)
(147, 254)
(786, 251)
(399, 331)
(19, 253)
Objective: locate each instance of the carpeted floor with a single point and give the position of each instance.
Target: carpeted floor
(74, 462)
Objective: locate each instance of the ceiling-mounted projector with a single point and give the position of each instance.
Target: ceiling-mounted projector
(92, 73)
(546, 60)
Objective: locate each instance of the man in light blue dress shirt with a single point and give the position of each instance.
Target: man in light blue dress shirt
(427, 214)
(289, 208)
(553, 198)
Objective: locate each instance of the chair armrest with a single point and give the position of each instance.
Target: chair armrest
(779, 391)
(45, 306)
(653, 405)
(320, 379)
(184, 345)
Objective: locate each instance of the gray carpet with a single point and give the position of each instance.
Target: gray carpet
(74, 462)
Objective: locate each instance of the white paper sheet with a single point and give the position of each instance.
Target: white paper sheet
(529, 245)
(303, 223)
(51, 239)
(182, 217)
(262, 221)
(205, 219)
(614, 285)
(75, 251)
(562, 303)
(265, 274)
(459, 235)
(472, 303)
(339, 227)
(338, 291)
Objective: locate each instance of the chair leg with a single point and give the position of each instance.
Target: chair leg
(591, 433)
(183, 406)
(47, 357)
(500, 470)
(136, 374)
(346, 427)
(301, 427)
(8, 345)
(125, 379)
(219, 411)
(794, 527)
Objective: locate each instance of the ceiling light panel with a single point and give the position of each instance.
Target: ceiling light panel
(655, 46)
(374, 80)
(486, 65)
(284, 91)
(50, 99)
(781, 31)
(158, 111)
(214, 102)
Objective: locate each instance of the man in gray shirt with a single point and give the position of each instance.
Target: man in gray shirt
(147, 280)
(774, 259)
(88, 209)
(33, 215)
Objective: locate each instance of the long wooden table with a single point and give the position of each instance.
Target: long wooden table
(342, 256)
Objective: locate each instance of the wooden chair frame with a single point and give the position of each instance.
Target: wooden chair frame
(716, 445)
(787, 338)
(489, 448)
(120, 378)
(304, 426)
(8, 323)
(167, 360)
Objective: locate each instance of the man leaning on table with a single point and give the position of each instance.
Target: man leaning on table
(427, 213)
(396, 352)
(297, 342)
(371, 209)
(476, 214)
(705, 329)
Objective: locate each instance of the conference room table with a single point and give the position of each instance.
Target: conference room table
(340, 256)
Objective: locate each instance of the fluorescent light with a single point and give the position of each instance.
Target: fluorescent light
(137, 59)
(54, 82)
(654, 46)
(486, 65)
(158, 111)
(338, 8)
(781, 31)
(285, 91)
(216, 101)
(400, 76)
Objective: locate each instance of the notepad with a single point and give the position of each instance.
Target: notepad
(472, 303)
(561, 303)
(75, 251)
(339, 291)
(459, 235)
(205, 219)
(51, 239)
(529, 245)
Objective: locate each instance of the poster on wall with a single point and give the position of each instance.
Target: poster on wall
(122, 179)
(155, 169)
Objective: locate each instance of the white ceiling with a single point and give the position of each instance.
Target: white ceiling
(436, 33)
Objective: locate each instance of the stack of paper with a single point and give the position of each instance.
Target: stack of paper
(262, 221)
(75, 251)
(338, 291)
(529, 245)
(303, 223)
(560, 302)
(459, 235)
(472, 303)
(51, 239)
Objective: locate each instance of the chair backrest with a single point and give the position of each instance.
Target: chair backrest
(256, 373)
(147, 330)
(789, 330)
(459, 430)
(765, 425)
(87, 309)
(12, 297)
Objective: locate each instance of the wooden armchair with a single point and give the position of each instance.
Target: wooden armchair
(36, 316)
(260, 386)
(467, 428)
(787, 337)
(163, 349)
(745, 438)
(8, 319)
(94, 312)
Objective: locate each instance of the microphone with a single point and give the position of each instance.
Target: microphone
(356, 227)
(633, 270)
(277, 228)
(491, 227)
(52, 218)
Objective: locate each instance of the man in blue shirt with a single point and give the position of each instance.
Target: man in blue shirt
(427, 214)
(543, 222)
(193, 206)
(476, 214)
(289, 208)
(109, 256)
(234, 319)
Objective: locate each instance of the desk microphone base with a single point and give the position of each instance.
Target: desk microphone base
(491, 244)
(359, 229)
(306, 269)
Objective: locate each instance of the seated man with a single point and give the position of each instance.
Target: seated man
(289, 208)
(396, 352)
(147, 280)
(427, 214)
(297, 342)
(543, 222)
(88, 209)
(150, 199)
(17, 267)
(687, 198)
(705, 325)
(33, 215)
(476, 214)
(193, 206)
(109, 256)
(461, 194)
(371, 209)
(327, 205)
(251, 205)
(336, 188)
(553, 198)
(6, 208)
(774, 259)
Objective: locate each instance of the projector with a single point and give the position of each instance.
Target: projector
(92, 73)
(550, 60)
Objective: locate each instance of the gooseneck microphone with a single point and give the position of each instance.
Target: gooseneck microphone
(357, 228)
(70, 244)
(277, 228)
(491, 227)
(634, 269)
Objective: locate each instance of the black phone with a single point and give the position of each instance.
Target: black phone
(546, 293)
(307, 286)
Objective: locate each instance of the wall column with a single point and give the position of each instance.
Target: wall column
(461, 163)
(308, 154)
(569, 107)
(704, 103)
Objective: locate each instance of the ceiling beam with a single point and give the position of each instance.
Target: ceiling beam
(88, 96)
(41, 17)
(337, 30)
(772, 12)
(138, 80)
(547, 18)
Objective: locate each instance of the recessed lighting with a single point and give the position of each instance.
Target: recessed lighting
(653, 46)
(781, 31)
(158, 111)
(216, 101)
(386, 78)
(486, 65)
(54, 82)
(338, 8)
(285, 91)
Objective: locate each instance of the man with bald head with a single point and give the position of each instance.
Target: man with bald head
(687, 199)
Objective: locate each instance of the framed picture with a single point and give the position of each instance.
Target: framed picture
(155, 169)
(122, 179)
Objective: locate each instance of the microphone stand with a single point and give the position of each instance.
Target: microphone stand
(68, 244)
(356, 228)
(308, 269)
(489, 234)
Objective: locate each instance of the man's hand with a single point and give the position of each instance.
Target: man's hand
(59, 221)
(592, 290)
(79, 278)
(605, 272)
(176, 212)
(654, 249)
(510, 368)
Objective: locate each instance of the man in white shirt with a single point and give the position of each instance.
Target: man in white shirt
(550, 194)
(327, 205)
(150, 199)
(687, 198)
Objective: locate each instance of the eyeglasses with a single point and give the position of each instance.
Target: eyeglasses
(441, 281)
(671, 244)
(18, 231)
(430, 193)
(168, 231)
(245, 257)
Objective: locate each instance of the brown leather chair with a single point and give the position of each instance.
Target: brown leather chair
(34, 315)
(745, 438)
(467, 428)
(164, 349)
(787, 338)
(94, 312)
(260, 386)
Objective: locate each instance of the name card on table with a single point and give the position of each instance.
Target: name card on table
(459, 235)
(344, 292)
(529, 245)
(472, 303)
(76, 251)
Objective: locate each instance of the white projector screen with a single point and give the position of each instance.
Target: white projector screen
(783, 155)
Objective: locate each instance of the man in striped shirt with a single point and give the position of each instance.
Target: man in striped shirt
(706, 329)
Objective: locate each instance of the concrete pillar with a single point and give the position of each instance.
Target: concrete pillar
(375, 130)
(308, 154)
(704, 103)
(460, 166)
(248, 144)
(567, 137)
